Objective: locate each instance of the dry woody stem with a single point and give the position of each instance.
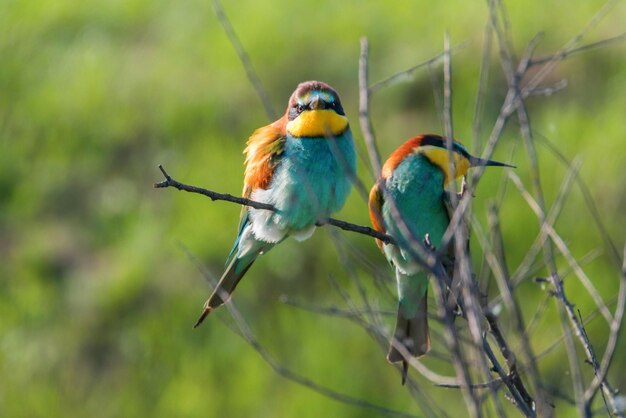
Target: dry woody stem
(346, 226)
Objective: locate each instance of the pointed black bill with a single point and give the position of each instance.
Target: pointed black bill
(475, 161)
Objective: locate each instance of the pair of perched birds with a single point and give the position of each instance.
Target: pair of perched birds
(303, 164)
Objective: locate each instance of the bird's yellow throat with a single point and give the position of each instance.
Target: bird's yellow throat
(317, 123)
(440, 157)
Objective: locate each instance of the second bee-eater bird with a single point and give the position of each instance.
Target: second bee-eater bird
(412, 187)
(303, 165)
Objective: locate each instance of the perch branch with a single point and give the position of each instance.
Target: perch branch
(346, 226)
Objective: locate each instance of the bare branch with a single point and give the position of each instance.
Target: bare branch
(355, 315)
(548, 90)
(246, 333)
(517, 101)
(516, 396)
(581, 400)
(364, 117)
(498, 261)
(452, 340)
(346, 226)
(511, 360)
(402, 75)
(587, 320)
(569, 46)
(615, 328)
(461, 346)
(245, 60)
(482, 88)
(568, 53)
(590, 202)
(447, 116)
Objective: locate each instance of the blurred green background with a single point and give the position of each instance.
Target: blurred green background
(97, 293)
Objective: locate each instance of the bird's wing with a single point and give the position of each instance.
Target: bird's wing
(454, 295)
(375, 204)
(264, 150)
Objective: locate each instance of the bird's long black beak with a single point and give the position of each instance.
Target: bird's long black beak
(475, 161)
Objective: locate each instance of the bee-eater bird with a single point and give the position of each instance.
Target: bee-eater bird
(302, 164)
(413, 180)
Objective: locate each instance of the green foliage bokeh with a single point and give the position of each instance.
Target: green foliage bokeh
(97, 293)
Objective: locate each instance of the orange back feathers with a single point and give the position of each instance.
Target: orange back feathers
(375, 205)
(263, 146)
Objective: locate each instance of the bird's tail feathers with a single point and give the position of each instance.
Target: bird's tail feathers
(411, 335)
(237, 268)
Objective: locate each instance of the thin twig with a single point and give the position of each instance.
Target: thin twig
(549, 65)
(479, 105)
(356, 315)
(525, 265)
(498, 260)
(518, 96)
(511, 360)
(461, 238)
(590, 201)
(452, 340)
(402, 75)
(514, 102)
(568, 53)
(246, 333)
(382, 338)
(577, 326)
(245, 60)
(364, 117)
(615, 328)
(516, 397)
(548, 90)
(587, 320)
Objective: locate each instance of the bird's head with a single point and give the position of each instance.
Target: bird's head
(434, 148)
(315, 111)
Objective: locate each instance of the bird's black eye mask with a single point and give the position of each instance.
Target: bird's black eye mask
(299, 107)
